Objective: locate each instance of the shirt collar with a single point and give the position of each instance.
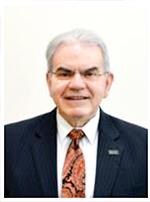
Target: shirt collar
(90, 128)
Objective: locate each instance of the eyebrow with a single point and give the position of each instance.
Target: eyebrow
(63, 69)
(94, 68)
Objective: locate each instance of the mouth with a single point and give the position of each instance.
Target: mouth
(77, 98)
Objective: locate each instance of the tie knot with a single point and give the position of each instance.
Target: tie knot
(76, 134)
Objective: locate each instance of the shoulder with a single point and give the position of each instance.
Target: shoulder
(27, 126)
(129, 131)
(33, 120)
(126, 130)
(20, 135)
(122, 125)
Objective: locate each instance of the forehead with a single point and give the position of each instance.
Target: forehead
(77, 52)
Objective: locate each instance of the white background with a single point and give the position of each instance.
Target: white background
(28, 29)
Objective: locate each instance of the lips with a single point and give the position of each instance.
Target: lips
(76, 97)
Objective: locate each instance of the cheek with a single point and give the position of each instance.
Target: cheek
(98, 90)
(57, 89)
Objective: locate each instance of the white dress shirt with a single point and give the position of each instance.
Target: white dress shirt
(88, 144)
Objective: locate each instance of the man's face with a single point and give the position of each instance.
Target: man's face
(78, 95)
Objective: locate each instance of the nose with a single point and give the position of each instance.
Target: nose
(77, 82)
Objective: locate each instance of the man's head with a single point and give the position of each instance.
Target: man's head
(78, 74)
(80, 35)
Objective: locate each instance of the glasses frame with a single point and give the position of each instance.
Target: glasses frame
(72, 73)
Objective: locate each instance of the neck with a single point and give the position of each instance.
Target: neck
(78, 121)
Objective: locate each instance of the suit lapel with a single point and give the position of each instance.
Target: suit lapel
(108, 157)
(44, 152)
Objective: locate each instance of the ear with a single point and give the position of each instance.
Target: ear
(109, 81)
(48, 79)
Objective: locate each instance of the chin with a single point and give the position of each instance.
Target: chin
(78, 113)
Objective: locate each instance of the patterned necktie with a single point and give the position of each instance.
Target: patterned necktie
(73, 179)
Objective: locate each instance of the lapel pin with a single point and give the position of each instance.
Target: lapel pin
(113, 152)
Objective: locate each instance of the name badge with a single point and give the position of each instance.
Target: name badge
(113, 152)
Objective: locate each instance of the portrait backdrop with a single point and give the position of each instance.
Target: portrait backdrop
(28, 29)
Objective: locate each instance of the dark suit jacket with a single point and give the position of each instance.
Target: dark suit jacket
(31, 164)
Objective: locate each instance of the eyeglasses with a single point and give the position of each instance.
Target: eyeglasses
(89, 74)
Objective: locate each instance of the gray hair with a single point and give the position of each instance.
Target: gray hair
(81, 35)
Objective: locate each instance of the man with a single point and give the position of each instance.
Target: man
(76, 150)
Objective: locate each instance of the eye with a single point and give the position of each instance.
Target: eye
(89, 73)
(62, 74)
